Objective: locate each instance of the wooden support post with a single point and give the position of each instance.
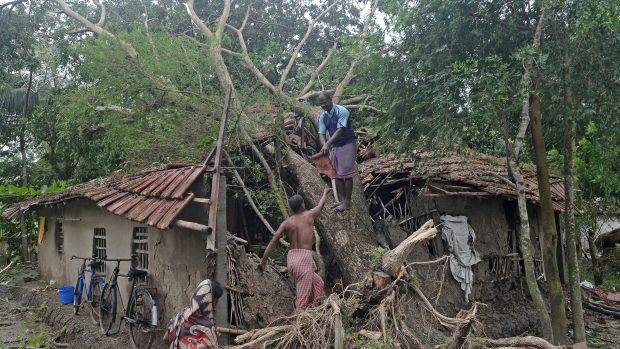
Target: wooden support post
(201, 201)
(221, 261)
(217, 173)
(192, 226)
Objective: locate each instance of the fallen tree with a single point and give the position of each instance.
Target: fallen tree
(372, 309)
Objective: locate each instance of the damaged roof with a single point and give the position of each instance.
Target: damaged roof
(154, 197)
(464, 174)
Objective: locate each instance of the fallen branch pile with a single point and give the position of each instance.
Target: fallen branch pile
(372, 313)
(591, 300)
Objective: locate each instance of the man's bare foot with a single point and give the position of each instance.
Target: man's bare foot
(343, 206)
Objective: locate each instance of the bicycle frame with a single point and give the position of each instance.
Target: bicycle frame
(82, 279)
(113, 282)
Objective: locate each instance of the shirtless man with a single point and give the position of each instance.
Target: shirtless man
(301, 266)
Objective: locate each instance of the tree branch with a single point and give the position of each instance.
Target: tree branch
(245, 19)
(189, 6)
(317, 71)
(232, 53)
(248, 196)
(99, 24)
(148, 31)
(131, 52)
(248, 61)
(114, 108)
(222, 21)
(364, 97)
(300, 45)
(526, 81)
(311, 94)
(11, 3)
(350, 73)
(365, 106)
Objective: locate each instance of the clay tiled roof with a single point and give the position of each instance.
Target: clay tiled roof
(480, 172)
(153, 197)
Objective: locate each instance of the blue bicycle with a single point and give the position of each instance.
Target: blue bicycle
(93, 287)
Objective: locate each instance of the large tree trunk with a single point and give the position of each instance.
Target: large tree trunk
(24, 165)
(526, 251)
(579, 331)
(513, 168)
(348, 235)
(550, 234)
(596, 264)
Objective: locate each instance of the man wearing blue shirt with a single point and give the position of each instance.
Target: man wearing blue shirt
(343, 146)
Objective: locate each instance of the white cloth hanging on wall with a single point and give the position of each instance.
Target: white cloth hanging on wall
(460, 238)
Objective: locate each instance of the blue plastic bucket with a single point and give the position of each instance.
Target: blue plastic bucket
(66, 294)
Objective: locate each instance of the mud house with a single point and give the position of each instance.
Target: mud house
(404, 192)
(160, 216)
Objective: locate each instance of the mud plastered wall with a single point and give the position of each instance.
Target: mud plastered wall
(177, 258)
(80, 220)
(510, 311)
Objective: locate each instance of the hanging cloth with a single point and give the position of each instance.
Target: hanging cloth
(41, 230)
(460, 238)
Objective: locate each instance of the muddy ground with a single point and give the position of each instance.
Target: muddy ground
(30, 310)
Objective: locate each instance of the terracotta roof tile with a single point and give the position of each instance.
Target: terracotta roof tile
(475, 170)
(155, 197)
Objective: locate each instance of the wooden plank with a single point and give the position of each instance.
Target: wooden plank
(217, 161)
(221, 261)
(201, 201)
(191, 226)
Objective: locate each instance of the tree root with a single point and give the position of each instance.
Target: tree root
(448, 322)
(319, 327)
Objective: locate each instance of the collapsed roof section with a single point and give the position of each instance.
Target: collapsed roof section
(470, 174)
(154, 197)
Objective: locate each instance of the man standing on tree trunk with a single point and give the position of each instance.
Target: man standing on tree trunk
(299, 261)
(343, 145)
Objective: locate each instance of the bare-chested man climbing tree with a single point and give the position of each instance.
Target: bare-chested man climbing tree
(342, 144)
(300, 263)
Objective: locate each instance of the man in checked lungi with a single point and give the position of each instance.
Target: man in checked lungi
(301, 267)
(343, 146)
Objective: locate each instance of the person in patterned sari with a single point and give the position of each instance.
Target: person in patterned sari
(194, 327)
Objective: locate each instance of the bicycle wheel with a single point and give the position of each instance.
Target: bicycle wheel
(95, 296)
(107, 308)
(77, 295)
(142, 319)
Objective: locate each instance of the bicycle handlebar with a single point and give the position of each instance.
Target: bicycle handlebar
(84, 258)
(116, 259)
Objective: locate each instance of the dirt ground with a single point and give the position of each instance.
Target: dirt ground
(20, 324)
(31, 315)
(602, 331)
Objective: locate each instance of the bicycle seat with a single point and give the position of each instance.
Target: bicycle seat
(133, 272)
